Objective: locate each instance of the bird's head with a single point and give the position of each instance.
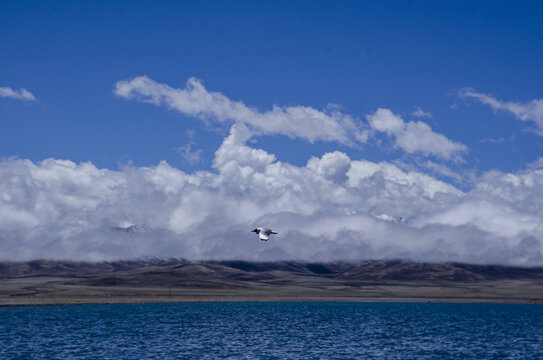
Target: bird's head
(255, 231)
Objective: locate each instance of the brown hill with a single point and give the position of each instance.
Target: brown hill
(44, 281)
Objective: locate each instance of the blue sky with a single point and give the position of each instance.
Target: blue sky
(359, 55)
(453, 88)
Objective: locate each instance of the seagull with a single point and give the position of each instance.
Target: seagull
(263, 233)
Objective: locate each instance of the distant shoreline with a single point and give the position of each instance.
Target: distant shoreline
(116, 295)
(108, 301)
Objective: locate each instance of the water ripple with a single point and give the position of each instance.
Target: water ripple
(272, 331)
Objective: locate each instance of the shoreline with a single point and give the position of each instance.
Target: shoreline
(358, 300)
(243, 298)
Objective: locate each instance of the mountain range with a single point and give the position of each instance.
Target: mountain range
(46, 281)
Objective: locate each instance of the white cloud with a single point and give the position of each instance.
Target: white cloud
(191, 156)
(492, 140)
(421, 113)
(294, 121)
(332, 166)
(331, 209)
(415, 137)
(362, 170)
(537, 164)
(21, 94)
(443, 170)
(527, 111)
(507, 206)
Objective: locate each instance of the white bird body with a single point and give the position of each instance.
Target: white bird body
(264, 233)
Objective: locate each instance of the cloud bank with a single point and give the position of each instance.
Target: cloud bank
(333, 208)
(527, 111)
(21, 94)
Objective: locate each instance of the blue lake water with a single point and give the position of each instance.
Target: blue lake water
(272, 331)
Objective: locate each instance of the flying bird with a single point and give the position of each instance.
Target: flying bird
(263, 233)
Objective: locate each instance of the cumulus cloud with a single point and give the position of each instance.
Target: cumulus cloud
(294, 121)
(21, 94)
(525, 111)
(415, 136)
(333, 208)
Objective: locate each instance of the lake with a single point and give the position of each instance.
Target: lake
(272, 331)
